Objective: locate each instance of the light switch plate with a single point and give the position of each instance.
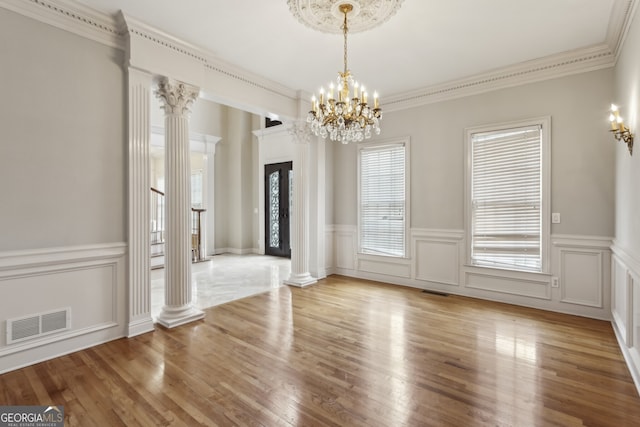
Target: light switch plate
(555, 218)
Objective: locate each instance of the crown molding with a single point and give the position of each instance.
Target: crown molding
(596, 57)
(72, 17)
(136, 28)
(114, 30)
(554, 66)
(219, 66)
(619, 23)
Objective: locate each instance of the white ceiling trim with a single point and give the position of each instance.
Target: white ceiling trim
(201, 66)
(110, 30)
(138, 28)
(554, 66)
(73, 17)
(621, 16)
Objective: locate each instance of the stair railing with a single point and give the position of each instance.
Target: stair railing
(158, 230)
(157, 222)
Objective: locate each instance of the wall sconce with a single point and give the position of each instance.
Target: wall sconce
(620, 131)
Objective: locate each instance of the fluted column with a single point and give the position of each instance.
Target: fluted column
(139, 307)
(300, 275)
(176, 100)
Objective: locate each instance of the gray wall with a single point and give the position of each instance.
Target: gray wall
(62, 130)
(234, 182)
(582, 155)
(627, 74)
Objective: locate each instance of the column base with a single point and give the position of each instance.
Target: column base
(140, 326)
(300, 280)
(170, 317)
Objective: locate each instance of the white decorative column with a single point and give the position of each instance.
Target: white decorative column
(317, 201)
(300, 275)
(177, 98)
(139, 304)
(209, 185)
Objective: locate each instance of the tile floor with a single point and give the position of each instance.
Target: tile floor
(225, 278)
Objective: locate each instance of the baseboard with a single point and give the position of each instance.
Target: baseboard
(627, 358)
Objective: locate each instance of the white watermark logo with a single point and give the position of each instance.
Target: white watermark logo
(31, 416)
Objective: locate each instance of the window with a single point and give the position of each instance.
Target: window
(196, 189)
(382, 198)
(508, 186)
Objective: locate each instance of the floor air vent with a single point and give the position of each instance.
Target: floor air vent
(440, 294)
(38, 325)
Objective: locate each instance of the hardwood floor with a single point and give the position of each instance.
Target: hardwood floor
(346, 352)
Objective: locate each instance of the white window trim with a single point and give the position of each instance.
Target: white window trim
(406, 140)
(545, 123)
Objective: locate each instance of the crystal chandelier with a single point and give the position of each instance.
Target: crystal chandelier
(349, 117)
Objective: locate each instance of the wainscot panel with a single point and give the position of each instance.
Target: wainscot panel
(525, 284)
(634, 342)
(626, 307)
(329, 249)
(437, 255)
(88, 280)
(345, 247)
(582, 265)
(388, 266)
(581, 277)
(621, 299)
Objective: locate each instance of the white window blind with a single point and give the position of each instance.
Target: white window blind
(382, 200)
(506, 198)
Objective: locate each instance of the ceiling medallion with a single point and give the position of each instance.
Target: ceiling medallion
(326, 16)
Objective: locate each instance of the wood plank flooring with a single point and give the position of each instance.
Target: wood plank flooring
(346, 352)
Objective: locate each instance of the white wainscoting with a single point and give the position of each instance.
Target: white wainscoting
(438, 255)
(625, 306)
(580, 263)
(329, 249)
(344, 249)
(383, 266)
(518, 284)
(90, 280)
(621, 298)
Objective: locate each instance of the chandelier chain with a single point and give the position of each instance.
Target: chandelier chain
(345, 30)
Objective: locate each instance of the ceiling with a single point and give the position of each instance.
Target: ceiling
(426, 43)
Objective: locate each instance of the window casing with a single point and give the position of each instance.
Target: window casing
(508, 196)
(382, 195)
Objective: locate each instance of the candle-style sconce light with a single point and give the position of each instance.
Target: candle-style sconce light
(620, 131)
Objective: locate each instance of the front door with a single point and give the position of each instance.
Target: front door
(277, 186)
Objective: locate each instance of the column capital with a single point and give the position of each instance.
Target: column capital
(176, 96)
(300, 132)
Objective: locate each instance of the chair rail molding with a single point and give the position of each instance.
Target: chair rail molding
(88, 279)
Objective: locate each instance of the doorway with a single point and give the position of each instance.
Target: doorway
(278, 179)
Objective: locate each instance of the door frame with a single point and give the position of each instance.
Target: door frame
(285, 212)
